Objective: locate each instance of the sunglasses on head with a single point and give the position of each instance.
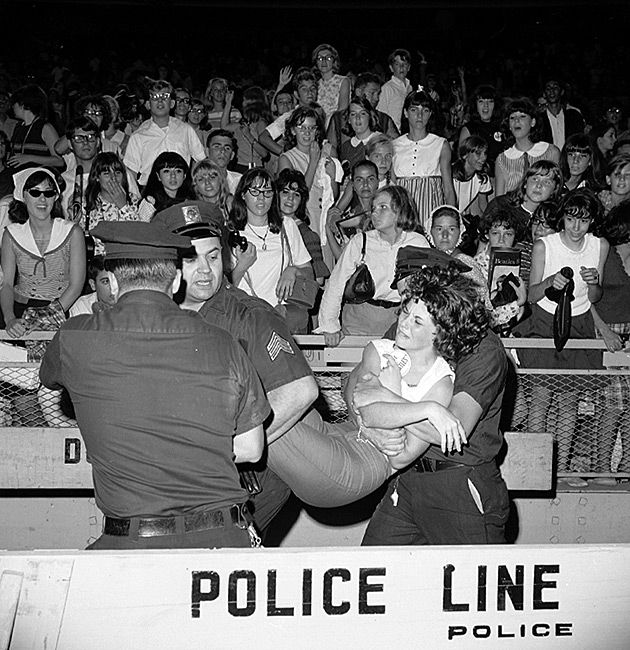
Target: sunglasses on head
(35, 193)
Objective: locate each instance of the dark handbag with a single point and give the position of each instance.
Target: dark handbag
(305, 289)
(360, 285)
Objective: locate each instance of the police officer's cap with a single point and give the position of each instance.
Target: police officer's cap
(185, 214)
(139, 240)
(199, 230)
(412, 258)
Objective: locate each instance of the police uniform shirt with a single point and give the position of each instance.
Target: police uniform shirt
(159, 394)
(262, 333)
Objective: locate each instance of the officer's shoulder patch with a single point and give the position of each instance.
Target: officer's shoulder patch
(276, 345)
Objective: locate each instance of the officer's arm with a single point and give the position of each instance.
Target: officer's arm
(288, 404)
(50, 368)
(248, 446)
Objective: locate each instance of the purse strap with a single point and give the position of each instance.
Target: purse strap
(363, 247)
(285, 240)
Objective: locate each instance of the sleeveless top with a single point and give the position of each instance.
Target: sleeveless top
(415, 393)
(557, 255)
(414, 158)
(328, 94)
(492, 134)
(27, 139)
(41, 276)
(514, 163)
(614, 305)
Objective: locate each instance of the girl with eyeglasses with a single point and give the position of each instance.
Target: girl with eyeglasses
(333, 92)
(275, 255)
(169, 183)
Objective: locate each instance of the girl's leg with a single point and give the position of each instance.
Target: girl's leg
(325, 465)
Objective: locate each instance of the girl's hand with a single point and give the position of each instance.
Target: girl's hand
(245, 258)
(18, 159)
(449, 427)
(390, 376)
(521, 291)
(285, 76)
(16, 327)
(329, 166)
(613, 341)
(314, 152)
(286, 282)
(115, 191)
(589, 275)
(229, 97)
(559, 280)
(332, 339)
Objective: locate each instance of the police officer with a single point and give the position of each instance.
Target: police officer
(284, 372)
(166, 403)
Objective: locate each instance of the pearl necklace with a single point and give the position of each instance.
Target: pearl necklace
(263, 239)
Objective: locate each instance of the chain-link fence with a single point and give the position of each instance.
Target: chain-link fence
(587, 411)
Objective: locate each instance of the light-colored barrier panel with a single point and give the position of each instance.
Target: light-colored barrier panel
(434, 597)
(55, 459)
(43, 458)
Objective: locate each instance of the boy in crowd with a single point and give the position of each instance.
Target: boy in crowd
(100, 282)
(160, 133)
(395, 91)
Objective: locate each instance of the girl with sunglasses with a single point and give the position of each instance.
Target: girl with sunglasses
(43, 255)
(275, 253)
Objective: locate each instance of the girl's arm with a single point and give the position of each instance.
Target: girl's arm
(227, 108)
(612, 340)
(554, 154)
(499, 179)
(344, 95)
(15, 326)
(537, 285)
(447, 178)
(594, 278)
(463, 134)
(77, 269)
(50, 137)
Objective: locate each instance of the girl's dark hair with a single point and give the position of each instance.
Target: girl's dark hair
(346, 129)
(615, 226)
(256, 177)
(599, 160)
(104, 161)
(506, 218)
(254, 112)
(94, 100)
(545, 211)
(521, 105)
(7, 145)
(295, 181)
(485, 91)
(17, 209)
(418, 98)
(473, 143)
(297, 118)
(578, 142)
(33, 98)
(404, 207)
(452, 299)
(581, 203)
(154, 187)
